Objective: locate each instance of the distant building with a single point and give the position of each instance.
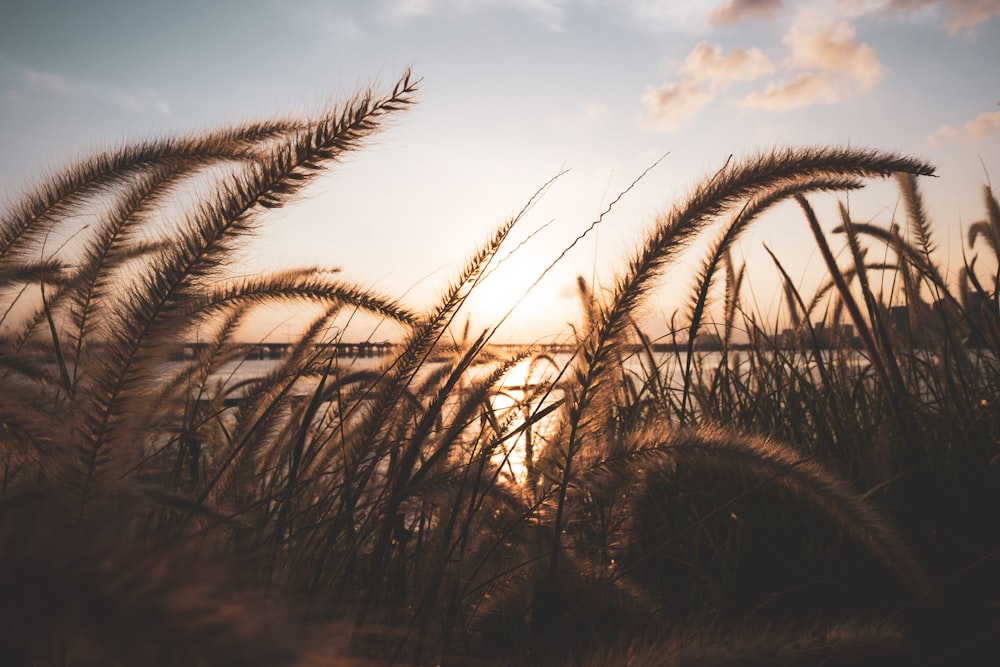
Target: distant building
(789, 339)
(898, 321)
(983, 320)
(708, 341)
(821, 335)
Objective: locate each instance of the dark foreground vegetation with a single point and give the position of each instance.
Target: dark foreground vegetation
(802, 504)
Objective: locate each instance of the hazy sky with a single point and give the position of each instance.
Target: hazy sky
(512, 92)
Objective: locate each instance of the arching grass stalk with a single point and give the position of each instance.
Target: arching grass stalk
(672, 232)
(750, 211)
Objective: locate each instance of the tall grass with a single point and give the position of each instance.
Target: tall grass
(809, 499)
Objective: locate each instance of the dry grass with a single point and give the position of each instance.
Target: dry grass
(810, 504)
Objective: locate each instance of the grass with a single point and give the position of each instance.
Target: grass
(810, 500)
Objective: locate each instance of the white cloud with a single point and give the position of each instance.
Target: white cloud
(327, 23)
(984, 125)
(945, 134)
(707, 63)
(825, 65)
(706, 72)
(670, 106)
(332, 24)
(967, 15)
(803, 90)
(833, 49)
(407, 8)
(694, 16)
(548, 13)
(732, 12)
(960, 16)
(22, 81)
(657, 16)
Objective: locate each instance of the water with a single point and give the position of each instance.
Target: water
(515, 396)
(522, 377)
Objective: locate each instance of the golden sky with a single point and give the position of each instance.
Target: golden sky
(514, 91)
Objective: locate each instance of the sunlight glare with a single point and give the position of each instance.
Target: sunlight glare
(517, 392)
(510, 285)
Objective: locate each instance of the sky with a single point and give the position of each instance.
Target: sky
(512, 93)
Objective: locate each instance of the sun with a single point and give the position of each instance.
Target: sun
(518, 292)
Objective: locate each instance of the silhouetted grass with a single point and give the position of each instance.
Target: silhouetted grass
(800, 499)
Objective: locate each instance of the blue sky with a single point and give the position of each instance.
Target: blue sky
(512, 92)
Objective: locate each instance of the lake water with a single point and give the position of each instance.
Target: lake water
(522, 375)
(510, 393)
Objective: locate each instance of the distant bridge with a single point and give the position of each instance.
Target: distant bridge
(368, 349)
(258, 351)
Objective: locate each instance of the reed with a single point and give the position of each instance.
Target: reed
(782, 501)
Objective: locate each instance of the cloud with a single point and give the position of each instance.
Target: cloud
(706, 72)
(548, 13)
(967, 15)
(945, 134)
(670, 106)
(961, 16)
(980, 127)
(657, 16)
(804, 90)
(23, 81)
(407, 8)
(825, 65)
(984, 124)
(738, 11)
(707, 63)
(904, 6)
(328, 22)
(834, 50)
